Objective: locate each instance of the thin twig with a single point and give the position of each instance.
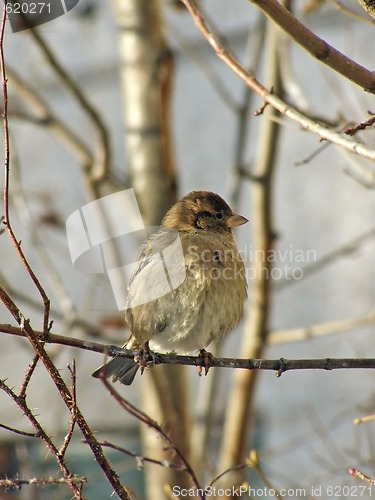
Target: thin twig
(147, 420)
(17, 294)
(361, 420)
(360, 126)
(227, 471)
(252, 60)
(253, 462)
(141, 458)
(312, 155)
(26, 328)
(352, 13)
(73, 418)
(359, 475)
(48, 118)
(99, 168)
(18, 431)
(40, 432)
(344, 250)
(319, 330)
(38, 345)
(22, 206)
(239, 416)
(6, 221)
(18, 483)
(315, 46)
(28, 375)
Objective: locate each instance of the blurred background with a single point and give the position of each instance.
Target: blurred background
(128, 94)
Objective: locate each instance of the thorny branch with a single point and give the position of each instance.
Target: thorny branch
(66, 395)
(73, 419)
(28, 375)
(39, 338)
(40, 433)
(37, 343)
(147, 420)
(18, 483)
(6, 220)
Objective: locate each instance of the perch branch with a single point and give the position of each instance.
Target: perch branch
(278, 365)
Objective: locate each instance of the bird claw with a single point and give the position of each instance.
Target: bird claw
(145, 358)
(204, 360)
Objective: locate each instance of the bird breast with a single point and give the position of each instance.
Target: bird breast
(203, 308)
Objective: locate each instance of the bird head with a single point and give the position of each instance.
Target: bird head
(202, 211)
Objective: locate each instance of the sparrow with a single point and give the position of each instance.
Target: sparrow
(209, 301)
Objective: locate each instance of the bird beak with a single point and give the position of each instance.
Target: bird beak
(236, 220)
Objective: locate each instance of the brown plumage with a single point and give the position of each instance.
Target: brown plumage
(207, 305)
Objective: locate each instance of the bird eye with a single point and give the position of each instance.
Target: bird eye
(219, 215)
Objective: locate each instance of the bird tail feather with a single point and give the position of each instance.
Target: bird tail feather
(120, 369)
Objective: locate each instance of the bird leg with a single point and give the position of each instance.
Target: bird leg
(145, 357)
(204, 361)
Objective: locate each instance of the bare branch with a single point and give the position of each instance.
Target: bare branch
(361, 420)
(28, 375)
(73, 419)
(48, 118)
(19, 432)
(320, 329)
(359, 475)
(99, 168)
(227, 471)
(66, 396)
(18, 483)
(150, 422)
(40, 432)
(315, 46)
(279, 365)
(284, 108)
(253, 461)
(141, 458)
(239, 415)
(351, 13)
(361, 126)
(6, 220)
(344, 250)
(89, 328)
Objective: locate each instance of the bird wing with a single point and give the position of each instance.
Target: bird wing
(160, 268)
